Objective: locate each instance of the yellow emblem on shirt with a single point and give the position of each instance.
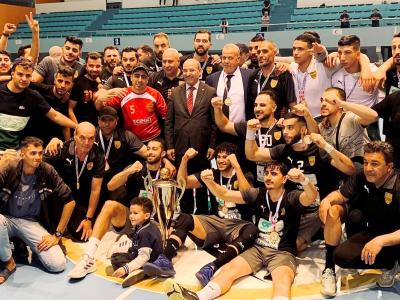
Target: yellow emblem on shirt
(89, 166)
(209, 70)
(313, 74)
(117, 144)
(388, 198)
(274, 83)
(311, 160)
(277, 135)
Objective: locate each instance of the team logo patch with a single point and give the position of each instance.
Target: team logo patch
(150, 107)
(313, 74)
(236, 185)
(117, 144)
(388, 198)
(209, 70)
(274, 83)
(311, 160)
(89, 166)
(277, 135)
(283, 211)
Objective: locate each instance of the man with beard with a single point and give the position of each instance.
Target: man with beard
(161, 43)
(170, 76)
(81, 103)
(269, 134)
(47, 68)
(29, 187)
(315, 159)
(207, 231)
(201, 44)
(18, 103)
(377, 245)
(146, 56)
(81, 165)
(141, 106)
(57, 96)
(252, 63)
(267, 78)
(392, 83)
(111, 59)
(5, 66)
(278, 213)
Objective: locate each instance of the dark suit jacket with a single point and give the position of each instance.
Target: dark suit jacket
(197, 130)
(212, 80)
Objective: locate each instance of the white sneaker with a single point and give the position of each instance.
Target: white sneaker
(85, 266)
(388, 277)
(328, 283)
(122, 245)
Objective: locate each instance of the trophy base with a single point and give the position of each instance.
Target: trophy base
(133, 278)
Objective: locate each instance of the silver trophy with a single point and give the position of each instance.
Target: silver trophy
(165, 198)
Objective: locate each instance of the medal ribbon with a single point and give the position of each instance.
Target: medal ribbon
(106, 153)
(274, 218)
(259, 89)
(301, 85)
(262, 144)
(79, 173)
(351, 90)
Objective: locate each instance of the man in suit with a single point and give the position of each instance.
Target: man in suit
(190, 124)
(232, 84)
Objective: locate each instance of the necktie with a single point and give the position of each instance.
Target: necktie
(225, 108)
(189, 101)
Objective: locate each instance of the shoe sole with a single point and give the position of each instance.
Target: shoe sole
(133, 278)
(152, 270)
(328, 295)
(385, 285)
(88, 272)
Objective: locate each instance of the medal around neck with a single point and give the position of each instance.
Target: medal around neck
(165, 198)
(307, 140)
(228, 101)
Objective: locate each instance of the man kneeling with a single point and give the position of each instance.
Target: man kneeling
(278, 214)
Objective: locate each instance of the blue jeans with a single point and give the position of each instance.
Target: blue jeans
(31, 232)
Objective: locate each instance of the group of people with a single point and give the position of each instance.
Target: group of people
(345, 18)
(295, 141)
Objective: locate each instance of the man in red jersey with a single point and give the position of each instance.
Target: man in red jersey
(141, 105)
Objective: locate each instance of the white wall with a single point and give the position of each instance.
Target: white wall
(317, 3)
(156, 3)
(71, 5)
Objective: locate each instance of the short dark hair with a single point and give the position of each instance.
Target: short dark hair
(31, 140)
(243, 48)
(307, 38)
(4, 52)
(350, 40)
(128, 50)
(228, 148)
(257, 38)
(341, 93)
(380, 147)
(74, 40)
(292, 115)
(21, 50)
(110, 48)
(93, 55)
(282, 167)
(397, 35)
(203, 31)
(23, 62)
(145, 203)
(65, 71)
(271, 94)
(315, 35)
(147, 49)
(161, 141)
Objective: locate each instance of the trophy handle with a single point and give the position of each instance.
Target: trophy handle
(182, 185)
(148, 183)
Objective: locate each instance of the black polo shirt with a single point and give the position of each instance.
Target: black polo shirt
(41, 126)
(207, 67)
(120, 81)
(282, 85)
(83, 93)
(162, 83)
(64, 163)
(380, 206)
(15, 111)
(392, 83)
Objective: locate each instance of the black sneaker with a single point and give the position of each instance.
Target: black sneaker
(174, 291)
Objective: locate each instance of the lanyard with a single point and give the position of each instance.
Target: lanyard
(262, 143)
(398, 79)
(126, 80)
(228, 184)
(259, 89)
(106, 153)
(203, 67)
(157, 175)
(79, 173)
(351, 90)
(301, 86)
(274, 218)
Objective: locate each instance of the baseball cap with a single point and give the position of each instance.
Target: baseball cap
(108, 111)
(141, 67)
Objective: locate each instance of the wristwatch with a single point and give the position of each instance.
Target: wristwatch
(58, 234)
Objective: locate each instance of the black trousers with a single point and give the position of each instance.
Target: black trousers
(348, 254)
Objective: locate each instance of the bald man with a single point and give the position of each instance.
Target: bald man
(232, 85)
(190, 124)
(170, 76)
(81, 166)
